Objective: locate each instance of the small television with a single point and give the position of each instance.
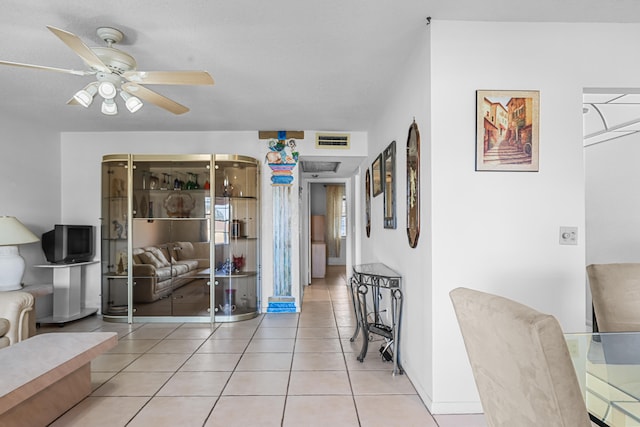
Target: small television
(68, 244)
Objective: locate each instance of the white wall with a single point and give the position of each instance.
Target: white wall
(492, 231)
(613, 201)
(30, 177)
(498, 231)
(409, 98)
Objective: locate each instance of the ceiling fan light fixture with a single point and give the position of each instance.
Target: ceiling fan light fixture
(132, 103)
(109, 107)
(107, 90)
(85, 96)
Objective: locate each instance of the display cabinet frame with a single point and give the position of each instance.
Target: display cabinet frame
(170, 210)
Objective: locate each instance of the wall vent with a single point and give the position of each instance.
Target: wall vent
(332, 140)
(319, 166)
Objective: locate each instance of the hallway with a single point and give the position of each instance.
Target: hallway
(274, 370)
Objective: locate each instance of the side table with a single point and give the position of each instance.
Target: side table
(372, 279)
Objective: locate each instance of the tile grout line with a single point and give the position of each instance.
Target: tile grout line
(210, 414)
(344, 357)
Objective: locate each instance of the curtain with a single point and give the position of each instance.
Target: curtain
(334, 214)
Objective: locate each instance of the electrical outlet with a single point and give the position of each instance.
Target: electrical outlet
(568, 235)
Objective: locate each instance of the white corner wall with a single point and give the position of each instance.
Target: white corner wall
(30, 176)
(408, 99)
(498, 231)
(613, 201)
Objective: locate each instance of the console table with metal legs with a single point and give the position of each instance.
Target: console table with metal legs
(368, 283)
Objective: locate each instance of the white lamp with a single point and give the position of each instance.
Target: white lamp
(85, 96)
(107, 90)
(12, 265)
(132, 103)
(109, 107)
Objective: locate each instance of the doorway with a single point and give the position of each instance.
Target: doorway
(328, 217)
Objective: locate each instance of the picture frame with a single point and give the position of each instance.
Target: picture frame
(413, 185)
(389, 174)
(367, 202)
(507, 130)
(376, 171)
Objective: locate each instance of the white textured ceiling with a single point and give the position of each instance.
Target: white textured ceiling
(278, 64)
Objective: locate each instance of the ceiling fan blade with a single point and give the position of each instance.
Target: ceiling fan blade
(42, 67)
(154, 98)
(169, 77)
(80, 49)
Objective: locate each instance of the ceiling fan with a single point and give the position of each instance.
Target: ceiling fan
(116, 73)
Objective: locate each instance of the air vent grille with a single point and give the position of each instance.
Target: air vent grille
(332, 140)
(317, 166)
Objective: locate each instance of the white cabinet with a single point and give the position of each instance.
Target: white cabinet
(67, 293)
(318, 260)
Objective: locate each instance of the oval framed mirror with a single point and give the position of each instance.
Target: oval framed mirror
(413, 185)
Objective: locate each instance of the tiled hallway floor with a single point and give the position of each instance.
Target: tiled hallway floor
(274, 370)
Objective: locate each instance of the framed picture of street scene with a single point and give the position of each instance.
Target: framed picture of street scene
(507, 130)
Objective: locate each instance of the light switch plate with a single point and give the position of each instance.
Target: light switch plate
(568, 235)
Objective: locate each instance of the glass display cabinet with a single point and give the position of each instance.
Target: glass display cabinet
(237, 231)
(190, 221)
(114, 234)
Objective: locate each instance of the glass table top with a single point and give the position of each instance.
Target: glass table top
(376, 269)
(608, 369)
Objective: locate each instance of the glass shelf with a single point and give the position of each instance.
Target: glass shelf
(235, 275)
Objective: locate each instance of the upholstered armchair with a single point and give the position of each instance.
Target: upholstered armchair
(615, 289)
(520, 362)
(15, 308)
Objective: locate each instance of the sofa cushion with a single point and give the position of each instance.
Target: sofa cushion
(136, 255)
(168, 254)
(4, 326)
(158, 253)
(190, 264)
(186, 251)
(149, 258)
(179, 269)
(163, 273)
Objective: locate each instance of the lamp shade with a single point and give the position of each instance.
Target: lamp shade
(13, 232)
(109, 107)
(85, 96)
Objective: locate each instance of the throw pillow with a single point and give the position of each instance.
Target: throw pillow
(157, 252)
(149, 258)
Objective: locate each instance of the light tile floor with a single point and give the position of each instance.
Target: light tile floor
(274, 370)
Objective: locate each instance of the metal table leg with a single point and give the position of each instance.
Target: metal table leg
(362, 305)
(396, 315)
(353, 284)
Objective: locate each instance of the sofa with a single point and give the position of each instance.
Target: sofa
(15, 315)
(160, 269)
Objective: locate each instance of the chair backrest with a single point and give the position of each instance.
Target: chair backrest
(520, 362)
(615, 289)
